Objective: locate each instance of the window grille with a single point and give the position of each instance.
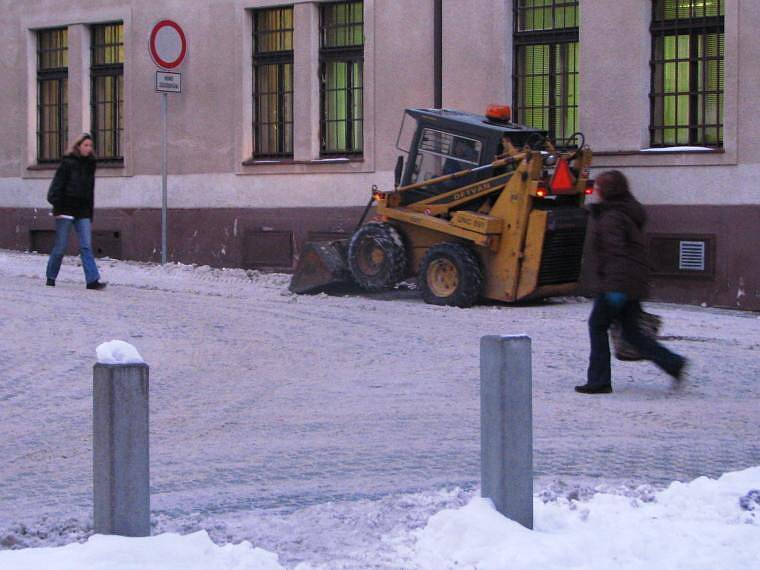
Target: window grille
(273, 82)
(341, 58)
(545, 81)
(107, 94)
(52, 94)
(687, 66)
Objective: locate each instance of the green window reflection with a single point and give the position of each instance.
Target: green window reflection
(687, 87)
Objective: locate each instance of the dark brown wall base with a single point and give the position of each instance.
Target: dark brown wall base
(218, 237)
(732, 275)
(736, 273)
(272, 238)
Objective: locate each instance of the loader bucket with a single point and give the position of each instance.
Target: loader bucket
(321, 267)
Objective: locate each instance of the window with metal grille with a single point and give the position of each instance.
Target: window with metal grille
(52, 93)
(687, 73)
(273, 82)
(545, 79)
(341, 57)
(107, 93)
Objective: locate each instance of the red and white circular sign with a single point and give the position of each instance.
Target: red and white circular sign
(168, 45)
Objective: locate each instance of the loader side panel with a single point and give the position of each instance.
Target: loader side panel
(418, 240)
(530, 264)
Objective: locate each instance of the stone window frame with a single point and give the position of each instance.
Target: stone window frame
(78, 21)
(306, 97)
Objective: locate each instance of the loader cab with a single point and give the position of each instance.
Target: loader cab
(444, 141)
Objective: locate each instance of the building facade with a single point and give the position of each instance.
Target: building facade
(290, 112)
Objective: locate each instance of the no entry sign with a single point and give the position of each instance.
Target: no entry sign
(168, 45)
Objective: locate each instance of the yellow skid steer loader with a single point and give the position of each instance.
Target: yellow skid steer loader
(482, 208)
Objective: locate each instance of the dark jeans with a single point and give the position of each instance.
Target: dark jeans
(602, 316)
(83, 228)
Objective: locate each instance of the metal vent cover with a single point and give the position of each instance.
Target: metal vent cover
(691, 255)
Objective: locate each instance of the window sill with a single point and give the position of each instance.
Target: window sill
(43, 166)
(672, 150)
(111, 168)
(325, 160)
(110, 163)
(667, 156)
(327, 165)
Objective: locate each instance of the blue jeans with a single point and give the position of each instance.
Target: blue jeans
(602, 315)
(83, 227)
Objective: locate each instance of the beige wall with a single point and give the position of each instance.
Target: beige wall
(477, 54)
(209, 123)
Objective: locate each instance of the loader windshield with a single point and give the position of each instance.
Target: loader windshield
(442, 153)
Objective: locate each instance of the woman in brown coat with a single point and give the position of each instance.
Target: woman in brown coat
(622, 276)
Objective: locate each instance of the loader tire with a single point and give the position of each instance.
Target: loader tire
(450, 274)
(376, 256)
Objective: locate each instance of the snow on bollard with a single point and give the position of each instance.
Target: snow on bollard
(121, 474)
(506, 426)
(118, 352)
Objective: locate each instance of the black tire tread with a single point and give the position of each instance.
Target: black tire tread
(470, 279)
(389, 239)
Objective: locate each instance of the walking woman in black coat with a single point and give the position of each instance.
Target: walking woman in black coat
(622, 273)
(72, 195)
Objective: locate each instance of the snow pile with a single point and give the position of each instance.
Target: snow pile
(164, 552)
(118, 352)
(705, 524)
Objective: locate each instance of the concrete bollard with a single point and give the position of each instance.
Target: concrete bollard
(506, 425)
(121, 473)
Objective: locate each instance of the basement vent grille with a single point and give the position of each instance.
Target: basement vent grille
(691, 256)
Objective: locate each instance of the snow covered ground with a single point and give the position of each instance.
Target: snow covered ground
(329, 430)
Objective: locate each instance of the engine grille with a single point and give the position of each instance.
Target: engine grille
(563, 247)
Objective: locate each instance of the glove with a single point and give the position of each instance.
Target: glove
(615, 299)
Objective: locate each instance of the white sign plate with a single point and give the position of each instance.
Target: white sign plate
(168, 82)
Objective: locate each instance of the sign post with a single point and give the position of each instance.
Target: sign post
(164, 189)
(168, 47)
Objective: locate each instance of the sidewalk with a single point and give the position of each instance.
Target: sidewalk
(267, 401)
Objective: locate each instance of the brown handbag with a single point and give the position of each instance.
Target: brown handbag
(649, 324)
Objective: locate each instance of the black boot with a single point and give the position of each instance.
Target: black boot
(50, 282)
(682, 372)
(594, 389)
(97, 285)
